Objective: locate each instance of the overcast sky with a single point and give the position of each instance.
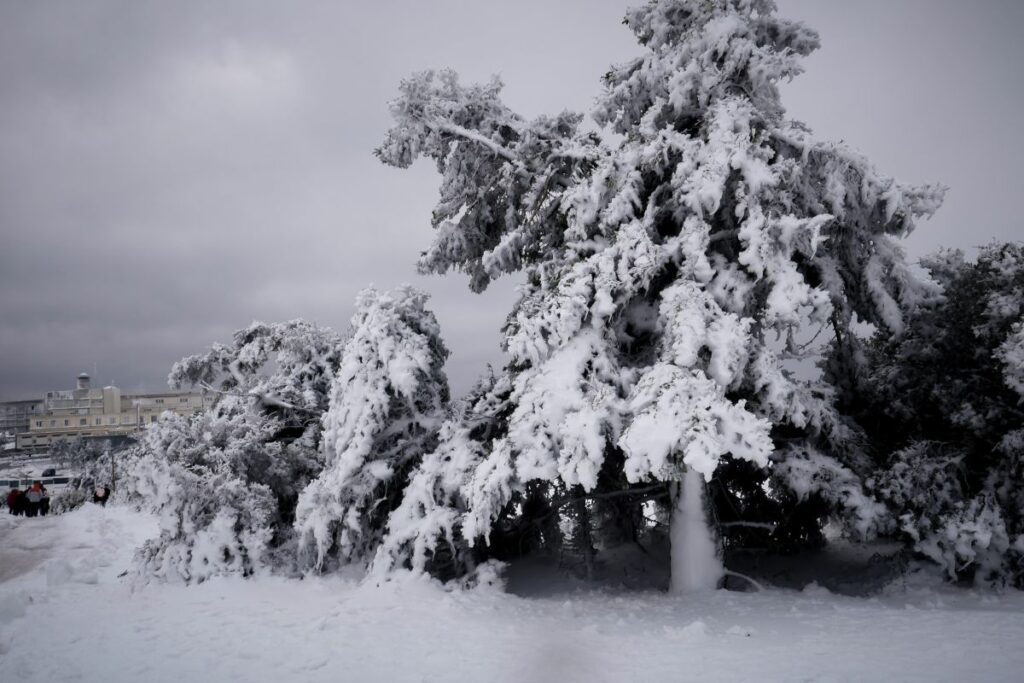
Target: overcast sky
(171, 171)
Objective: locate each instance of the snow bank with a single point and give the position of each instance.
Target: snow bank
(410, 629)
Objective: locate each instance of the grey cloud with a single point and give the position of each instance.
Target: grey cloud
(171, 171)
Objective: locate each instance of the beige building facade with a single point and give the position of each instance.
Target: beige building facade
(95, 413)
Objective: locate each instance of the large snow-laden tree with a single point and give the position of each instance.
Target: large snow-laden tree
(224, 483)
(672, 257)
(387, 402)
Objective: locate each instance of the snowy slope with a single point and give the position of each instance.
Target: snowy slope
(66, 616)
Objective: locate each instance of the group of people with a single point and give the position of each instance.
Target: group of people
(33, 501)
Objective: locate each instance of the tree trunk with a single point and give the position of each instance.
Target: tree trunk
(696, 561)
(584, 540)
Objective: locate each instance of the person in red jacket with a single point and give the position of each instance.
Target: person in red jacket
(12, 501)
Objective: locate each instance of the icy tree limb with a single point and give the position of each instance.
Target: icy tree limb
(264, 398)
(475, 137)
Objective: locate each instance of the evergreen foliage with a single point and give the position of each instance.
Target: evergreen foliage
(225, 482)
(387, 401)
(945, 399)
(679, 257)
(672, 259)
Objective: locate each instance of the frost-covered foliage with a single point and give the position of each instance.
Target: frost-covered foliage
(286, 367)
(425, 530)
(503, 176)
(945, 399)
(664, 256)
(807, 473)
(225, 482)
(1011, 354)
(78, 454)
(90, 460)
(212, 519)
(387, 402)
(967, 533)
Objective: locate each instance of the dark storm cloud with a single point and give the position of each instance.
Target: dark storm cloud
(171, 171)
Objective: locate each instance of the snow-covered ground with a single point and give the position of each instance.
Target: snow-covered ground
(66, 614)
(26, 466)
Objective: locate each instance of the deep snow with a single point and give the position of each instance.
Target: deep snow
(66, 615)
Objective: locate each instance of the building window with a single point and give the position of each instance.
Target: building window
(39, 423)
(112, 420)
(65, 423)
(159, 400)
(53, 423)
(184, 399)
(152, 418)
(82, 422)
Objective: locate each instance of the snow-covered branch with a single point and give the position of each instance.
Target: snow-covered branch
(472, 135)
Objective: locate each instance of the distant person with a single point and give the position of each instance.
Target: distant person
(101, 495)
(12, 501)
(44, 504)
(35, 499)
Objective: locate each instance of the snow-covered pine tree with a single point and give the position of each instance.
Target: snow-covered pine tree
(664, 255)
(944, 402)
(225, 482)
(387, 402)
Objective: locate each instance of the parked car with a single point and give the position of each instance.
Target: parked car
(49, 472)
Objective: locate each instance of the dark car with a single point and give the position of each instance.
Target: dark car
(49, 472)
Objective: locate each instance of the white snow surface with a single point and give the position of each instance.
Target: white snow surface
(66, 615)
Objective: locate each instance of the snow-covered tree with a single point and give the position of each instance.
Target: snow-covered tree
(424, 532)
(77, 453)
(225, 482)
(945, 400)
(94, 462)
(214, 518)
(387, 402)
(672, 259)
(275, 378)
(285, 368)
